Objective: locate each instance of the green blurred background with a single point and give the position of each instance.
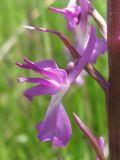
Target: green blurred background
(18, 117)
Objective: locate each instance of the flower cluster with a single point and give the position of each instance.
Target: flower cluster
(55, 126)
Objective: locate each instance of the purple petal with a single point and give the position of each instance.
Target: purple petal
(57, 10)
(84, 14)
(85, 57)
(41, 90)
(55, 127)
(24, 66)
(56, 74)
(71, 14)
(37, 80)
(46, 64)
(41, 64)
(81, 43)
(100, 45)
(72, 18)
(80, 79)
(100, 48)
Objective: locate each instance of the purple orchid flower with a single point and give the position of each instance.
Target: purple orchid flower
(56, 126)
(74, 14)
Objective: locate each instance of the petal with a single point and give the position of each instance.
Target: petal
(81, 43)
(84, 14)
(57, 10)
(46, 64)
(90, 46)
(41, 90)
(37, 80)
(24, 66)
(72, 21)
(41, 64)
(71, 14)
(100, 45)
(55, 127)
(85, 57)
(80, 81)
(100, 48)
(56, 74)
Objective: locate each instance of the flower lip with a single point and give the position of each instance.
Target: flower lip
(55, 127)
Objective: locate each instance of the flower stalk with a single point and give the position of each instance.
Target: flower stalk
(113, 100)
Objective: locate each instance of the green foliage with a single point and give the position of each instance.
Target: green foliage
(18, 117)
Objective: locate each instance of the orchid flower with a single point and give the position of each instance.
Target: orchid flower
(74, 14)
(56, 126)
